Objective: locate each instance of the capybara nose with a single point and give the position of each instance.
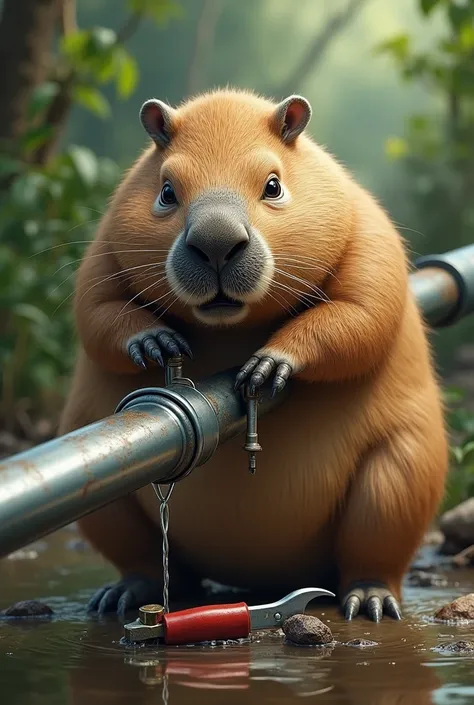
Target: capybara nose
(217, 240)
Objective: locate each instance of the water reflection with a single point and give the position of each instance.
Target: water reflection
(72, 660)
(262, 672)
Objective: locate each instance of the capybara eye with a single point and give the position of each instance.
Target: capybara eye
(167, 195)
(272, 188)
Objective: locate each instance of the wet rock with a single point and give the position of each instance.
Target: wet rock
(456, 647)
(464, 559)
(421, 578)
(77, 545)
(457, 525)
(23, 555)
(433, 538)
(27, 608)
(460, 610)
(361, 643)
(449, 548)
(306, 629)
(424, 567)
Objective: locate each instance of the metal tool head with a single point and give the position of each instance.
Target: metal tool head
(148, 626)
(273, 614)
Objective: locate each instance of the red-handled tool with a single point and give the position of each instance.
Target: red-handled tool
(212, 622)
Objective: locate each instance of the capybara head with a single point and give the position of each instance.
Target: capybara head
(234, 214)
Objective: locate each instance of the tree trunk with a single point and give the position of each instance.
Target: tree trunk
(204, 44)
(26, 34)
(317, 48)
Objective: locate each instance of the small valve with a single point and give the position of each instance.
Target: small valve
(252, 446)
(173, 369)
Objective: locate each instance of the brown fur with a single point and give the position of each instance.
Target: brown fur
(354, 462)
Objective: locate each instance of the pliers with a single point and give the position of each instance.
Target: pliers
(212, 622)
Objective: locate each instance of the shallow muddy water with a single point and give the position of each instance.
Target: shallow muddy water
(76, 660)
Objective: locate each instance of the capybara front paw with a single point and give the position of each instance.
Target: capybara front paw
(262, 367)
(127, 594)
(155, 344)
(373, 599)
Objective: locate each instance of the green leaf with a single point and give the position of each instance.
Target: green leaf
(462, 420)
(398, 46)
(91, 51)
(453, 395)
(127, 74)
(92, 99)
(158, 10)
(109, 174)
(459, 14)
(457, 454)
(105, 68)
(102, 38)
(466, 38)
(468, 452)
(428, 5)
(396, 147)
(418, 123)
(41, 98)
(36, 137)
(85, 164)
(31, 313)
(25, 191)
(74, 45)
(8, 165)
(44, 375)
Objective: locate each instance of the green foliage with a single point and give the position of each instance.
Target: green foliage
(438, 148)
(436, 153)
(460, 484)
(98, 57)
(49, 210)
(46, 219)
(159, 10)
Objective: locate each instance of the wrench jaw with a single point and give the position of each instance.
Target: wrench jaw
(273, 614)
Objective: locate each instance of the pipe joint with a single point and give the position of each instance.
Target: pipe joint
(193, 413)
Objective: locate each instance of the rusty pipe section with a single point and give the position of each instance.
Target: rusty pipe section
(162, 434)
(444, 286)
(156, 435)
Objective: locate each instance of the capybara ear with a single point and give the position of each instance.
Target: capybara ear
(158, 119)
(291, 117)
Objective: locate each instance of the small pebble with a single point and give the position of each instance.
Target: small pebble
(422, 578)
(306, 629)
(27, 608)
(77, 545)
(433, 538)
(456, 647)
(23, 555)
(361, 643)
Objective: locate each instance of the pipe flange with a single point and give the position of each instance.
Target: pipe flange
(195, 415)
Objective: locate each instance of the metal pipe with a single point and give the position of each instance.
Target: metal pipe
(444, 286)
(157, 435)
(162, 434)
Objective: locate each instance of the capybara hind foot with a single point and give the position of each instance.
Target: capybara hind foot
(375, 599)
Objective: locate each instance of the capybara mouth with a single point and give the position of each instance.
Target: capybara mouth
(220, 301)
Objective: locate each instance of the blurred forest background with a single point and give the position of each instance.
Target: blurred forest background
(391, 84)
